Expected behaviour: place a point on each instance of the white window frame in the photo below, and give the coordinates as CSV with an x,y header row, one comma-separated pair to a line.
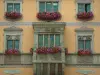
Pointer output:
x,y
48,1
91,7
49,38
85,34
11,1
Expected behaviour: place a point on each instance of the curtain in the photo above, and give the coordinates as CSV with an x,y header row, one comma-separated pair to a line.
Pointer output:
x,y
57,40
40,40
81,44
9,7
51,40
41,6
88,44
17,7
16,44
55,6
9,44
81,7
88,7
46,40
48,6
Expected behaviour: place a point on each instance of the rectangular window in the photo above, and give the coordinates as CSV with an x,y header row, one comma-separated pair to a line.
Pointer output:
x,y
84,42
48,6
48,40
84,7
13,7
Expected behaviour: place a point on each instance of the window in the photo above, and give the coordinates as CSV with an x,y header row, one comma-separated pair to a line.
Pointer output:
x,y
12,42
48,6
84,42
48,40
13,7
84,7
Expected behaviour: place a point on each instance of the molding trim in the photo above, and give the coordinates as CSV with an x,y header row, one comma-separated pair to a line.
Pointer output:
x,y
50,23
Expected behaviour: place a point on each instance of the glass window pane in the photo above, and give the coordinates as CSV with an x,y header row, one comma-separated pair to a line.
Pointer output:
x,y
16,44
87,7
51,40
46,40
9,7
40,40
88,44
9,44
57,40
55,6
49,6
17,7
81,7
81,44
42,6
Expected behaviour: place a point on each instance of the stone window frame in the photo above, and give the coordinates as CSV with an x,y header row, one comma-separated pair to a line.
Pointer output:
x,y
13,1
85,33
59,3
19,33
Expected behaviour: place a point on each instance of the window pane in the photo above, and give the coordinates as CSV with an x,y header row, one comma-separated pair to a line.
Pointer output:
x,y
81,44
55,6
88,44
57,40
17,7
81,7
40,40
42,6
49,6
51,40
46,40
87,7
16,44
9,7
9,44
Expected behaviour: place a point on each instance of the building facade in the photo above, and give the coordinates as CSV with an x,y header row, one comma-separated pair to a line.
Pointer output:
x,y
53,37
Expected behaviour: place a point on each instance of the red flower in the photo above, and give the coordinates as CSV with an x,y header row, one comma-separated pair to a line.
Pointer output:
x,y
48,16
12,51
84,52
13,15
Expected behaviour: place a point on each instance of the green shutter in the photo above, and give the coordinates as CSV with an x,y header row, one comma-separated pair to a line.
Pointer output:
x,y
57,40
81,7
51,40
16,44
46,40
41,6
40,40
81,44
9,7
55,6
17,7
88,7
48,6
88,44
9,44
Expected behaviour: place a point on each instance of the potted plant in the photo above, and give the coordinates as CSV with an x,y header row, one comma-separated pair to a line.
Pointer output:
x,y
84,52
12,51
85,15
48,16
13,15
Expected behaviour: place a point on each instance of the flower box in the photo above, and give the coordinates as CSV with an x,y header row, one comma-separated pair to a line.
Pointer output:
x,y
85,15
13,15
48,50
12,51
84,52
48,16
